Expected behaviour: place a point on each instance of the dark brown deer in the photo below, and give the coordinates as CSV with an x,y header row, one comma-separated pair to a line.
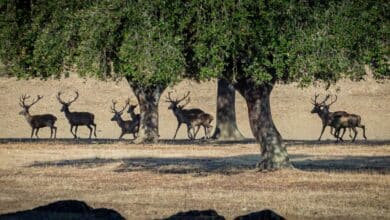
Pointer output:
x,y
322,109
350,121
37,121
191,117
77,118
128,126
136,118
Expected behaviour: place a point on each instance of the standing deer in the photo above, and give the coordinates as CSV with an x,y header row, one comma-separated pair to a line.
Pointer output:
x,y
135,117
37,121
322,109
191,117
128,127
348,121
77,118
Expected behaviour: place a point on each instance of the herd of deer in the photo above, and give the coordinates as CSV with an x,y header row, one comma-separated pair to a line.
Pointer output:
x,y
194,118
337,120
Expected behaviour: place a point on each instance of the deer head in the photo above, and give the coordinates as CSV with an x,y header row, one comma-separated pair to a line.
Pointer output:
x,y
65,105
118,114
175,102
26,107
322,106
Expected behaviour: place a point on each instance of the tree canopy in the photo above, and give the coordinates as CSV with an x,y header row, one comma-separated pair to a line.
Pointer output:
x,y
301,41
156,41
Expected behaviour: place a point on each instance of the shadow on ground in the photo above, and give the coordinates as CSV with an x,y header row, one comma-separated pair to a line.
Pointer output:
x,y
226,165
199,142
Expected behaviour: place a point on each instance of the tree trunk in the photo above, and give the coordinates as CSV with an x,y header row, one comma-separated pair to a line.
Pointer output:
x,y
148,99
226,128
273,151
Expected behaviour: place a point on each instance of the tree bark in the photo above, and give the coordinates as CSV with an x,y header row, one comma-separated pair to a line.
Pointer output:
x,y
273,151
148,99
226,128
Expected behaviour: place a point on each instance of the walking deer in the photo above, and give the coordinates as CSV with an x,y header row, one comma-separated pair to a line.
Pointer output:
x,y
135,117
77,118
350,121
129,126
191,117
322,109
37,121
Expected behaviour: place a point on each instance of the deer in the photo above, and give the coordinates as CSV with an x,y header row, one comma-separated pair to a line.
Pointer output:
x,y
76,119
37,121
350,121
322,109
135,117
191,117
129,126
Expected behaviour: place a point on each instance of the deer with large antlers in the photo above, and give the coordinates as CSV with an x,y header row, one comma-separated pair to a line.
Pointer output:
x,y
191,117
327,117
37,121
129,126
77,118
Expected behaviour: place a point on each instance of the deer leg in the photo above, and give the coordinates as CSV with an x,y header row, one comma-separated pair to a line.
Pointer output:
x,y
336,134
350,135
364,131
75,131
196,132
354,137
178,126
189,132
55,132
36,133
90,131
32,132
94,132
342,135
71,131
323,129
51,132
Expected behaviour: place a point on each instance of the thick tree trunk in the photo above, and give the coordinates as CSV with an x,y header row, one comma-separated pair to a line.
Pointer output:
x,y
226,128
273,151
148,99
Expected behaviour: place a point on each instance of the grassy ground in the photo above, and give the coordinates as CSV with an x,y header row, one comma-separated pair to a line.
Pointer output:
x,y
153,181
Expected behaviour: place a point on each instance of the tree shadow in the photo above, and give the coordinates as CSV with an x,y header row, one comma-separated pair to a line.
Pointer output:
x,y
198,142
199,166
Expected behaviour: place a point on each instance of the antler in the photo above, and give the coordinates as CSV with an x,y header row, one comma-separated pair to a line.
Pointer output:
x,y
59,98
169,99
314,101
113,106
184,97
69,102
75,98
186,103
326,99
121,111
23,99
333,101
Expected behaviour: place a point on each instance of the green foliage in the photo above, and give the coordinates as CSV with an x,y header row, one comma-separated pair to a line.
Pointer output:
x,y
303,41
160,42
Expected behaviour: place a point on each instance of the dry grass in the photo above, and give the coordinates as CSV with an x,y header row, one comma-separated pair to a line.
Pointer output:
x,y
152,181
146,182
